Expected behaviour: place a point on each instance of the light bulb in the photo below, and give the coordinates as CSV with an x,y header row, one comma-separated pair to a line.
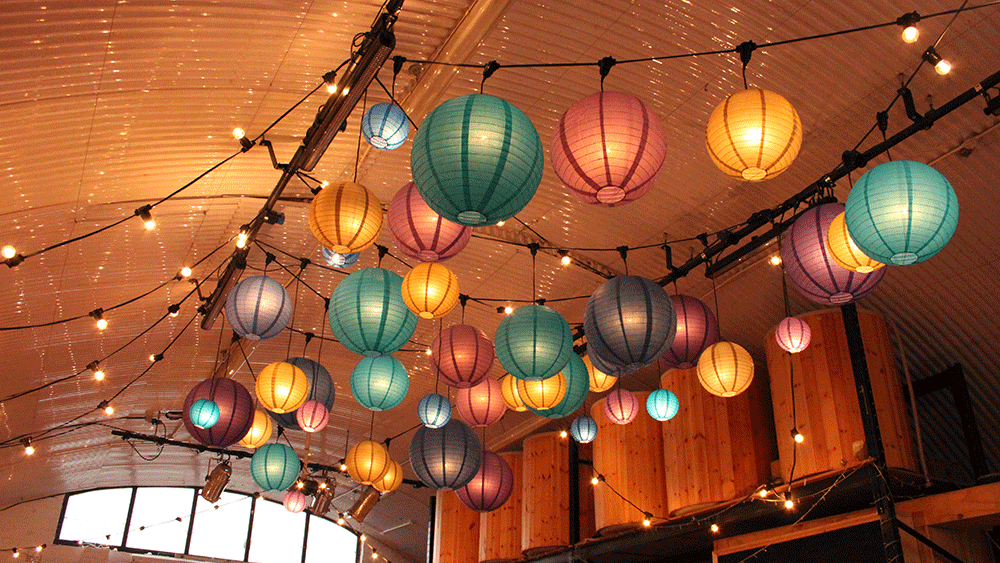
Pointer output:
x,y
185,272
99,375
152,357
109,410
341,521
40,548
343,467
9,251
363,538
594,481
16,554
942,67
715,528
648,520
241,242
563,434
324,184
910,34
789,504
500,223
428,352
776,260
150,224
174,311
566,260
239,133
508,310
799,438
102,324
28,448
763,493
374,554
322,486
299,484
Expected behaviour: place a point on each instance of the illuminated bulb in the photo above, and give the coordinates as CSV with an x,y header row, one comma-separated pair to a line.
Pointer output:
x,y
594,481
99,375
799,438
185,272
563,434
109,410
28,448
343,467
102,324
374,554
174,310
241,239
149,224
789,504
763,493
324,184
40,548
346,90
16,554
428,352
508,310
322,486
341,521
942,67
910,34
152,357
566,260
500,223
715,528
9,251
776,260
647,520
363,538
299,484
239,133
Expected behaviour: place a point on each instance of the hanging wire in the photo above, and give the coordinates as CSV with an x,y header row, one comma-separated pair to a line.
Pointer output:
x,y
361,122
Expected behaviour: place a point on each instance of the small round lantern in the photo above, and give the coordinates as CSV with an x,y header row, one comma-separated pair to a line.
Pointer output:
x,y
542,394
260,430
430,290
338,260
367,462
312,416
434,410
843,250
368,315
902,212
274,467
583,429
599,381
236,412
608,148
725,369
533,342
577,387
491,486
508,389
204,413
258,308
462,356
447,457
282,387
420,232
392,479
295,501
754,135
662,405
385,126
482,404
621,406
320,389
476,160
696,330
379,384
345,217
793,335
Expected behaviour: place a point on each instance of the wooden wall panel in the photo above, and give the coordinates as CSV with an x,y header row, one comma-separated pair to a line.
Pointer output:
x,y
545,490
457,530
500,530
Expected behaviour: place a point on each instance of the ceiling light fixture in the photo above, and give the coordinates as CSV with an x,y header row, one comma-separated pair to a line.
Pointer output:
x,y
98,372
98,316
941,66
145,213
185,272
28,448
216,482
909,24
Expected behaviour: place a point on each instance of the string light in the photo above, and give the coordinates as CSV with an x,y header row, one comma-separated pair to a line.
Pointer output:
x,y
155,357
98,372
715,528
776,260
174,310
343,466
99,320
797,436
647,519
340,520
500,223
185,272
910,34
941,66
508,310
8,252
16,554
763,493
28,448
594,481
909,24
241,239
40,548
374,553
565,258
239,133
363,538
106,407
145,213
563,433
788,502
428,351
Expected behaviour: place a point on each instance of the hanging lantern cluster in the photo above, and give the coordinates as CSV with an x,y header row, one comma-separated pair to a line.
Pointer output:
x,y
447,457
508,390
282,387
577,386
843,250
462,356
367,462
321,389
368,315
697,329
259,432
379,383
754,134
490,487
345,217
385,126
338,260
725,369
434,410
236,412
621,406
583,429
274,467
793,335
430,290
419,232
599,381
258,308
662,405
533,342
481,404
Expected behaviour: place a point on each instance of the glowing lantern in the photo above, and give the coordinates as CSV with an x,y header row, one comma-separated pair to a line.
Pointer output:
x,y
725,369
345,217
236,412
320,389
583,429
508,389
696,330
282,387
662,405
430,290
312,416
621,406
491,486
599,381
385,126
577,386
258,308
462,356
447,457
338,260
793,335
542,394
392,479
295,501
204,413
420,232
843,250
260,430
367,462
434,410
368,315
482,404
533,342
274,467
754,135
379,384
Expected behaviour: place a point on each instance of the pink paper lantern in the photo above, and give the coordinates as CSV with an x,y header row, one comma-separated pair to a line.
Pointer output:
x,y
793,335
481,405
609,148
295,501
421,233
491,487
697,329
462,356
621,406
312,416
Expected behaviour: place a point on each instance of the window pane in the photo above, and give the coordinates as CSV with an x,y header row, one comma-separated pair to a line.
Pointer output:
x,y
154,525
221,532
96,517
277,534
329,543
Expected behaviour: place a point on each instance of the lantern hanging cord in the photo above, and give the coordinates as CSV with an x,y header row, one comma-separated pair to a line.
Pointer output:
x,y
623,252
534,253
247,360
745,51
488,70
437,370
604,65
291,318
361,122
393,98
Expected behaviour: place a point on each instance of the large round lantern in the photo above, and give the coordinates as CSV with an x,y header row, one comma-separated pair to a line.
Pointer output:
x,y
902,212
662,405
338,260
295,501
482,404
542,394
380,383
420,232
367,462
236,412
725,369
392,479
430,290
282,387
320,389
260,430
345,217
583,429
812,270
508,390
629,323
476,160
696,330
754,135
258,308
599,381
368,315
312,416
274,467
434,410
491,486
608,148
385,126
577,387
793,335
462,356
204,413
447,457
533,342
621,406
843,250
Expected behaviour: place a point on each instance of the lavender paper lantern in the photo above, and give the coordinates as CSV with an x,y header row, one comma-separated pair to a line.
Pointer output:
x,y
490,488
793,335
385,126
697,329
258,308
420,232
482,404
462,356
320,389
583,429
434,410
621,406
236,412
630,323
447,457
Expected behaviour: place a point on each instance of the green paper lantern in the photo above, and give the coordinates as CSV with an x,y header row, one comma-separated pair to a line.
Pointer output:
x,y
577,387
368,315
274,467
662,405
379,384
204,413
476,160
534,342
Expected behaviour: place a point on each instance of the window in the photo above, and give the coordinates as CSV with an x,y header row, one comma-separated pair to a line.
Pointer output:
x,y
220,529
160,519
95,517
277,534
326,538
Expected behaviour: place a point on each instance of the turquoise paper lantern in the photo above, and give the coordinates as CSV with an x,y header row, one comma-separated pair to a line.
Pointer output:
x,y
577,387
434,410
901,212
204,413
368,315
476,160
385,126
379,383
534,342
274,467
662,405
583,429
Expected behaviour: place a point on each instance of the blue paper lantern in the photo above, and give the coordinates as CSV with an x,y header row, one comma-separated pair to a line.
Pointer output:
x,y
321,389
204,413
274,467
662,405
258,308
476,160
447,457
338,260
534,342
385,126
380,383
434,410
630,323
902,212
583,429
577,387
368,314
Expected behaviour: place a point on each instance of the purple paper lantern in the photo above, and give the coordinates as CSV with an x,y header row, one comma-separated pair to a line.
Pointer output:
x,y
462,356
811,268
621,406
482,404
420,232
793,335
697,329
491,486
235,412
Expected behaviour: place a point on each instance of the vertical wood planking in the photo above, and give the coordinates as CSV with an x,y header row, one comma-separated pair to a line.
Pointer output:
x,y
500,530
545,493
458,530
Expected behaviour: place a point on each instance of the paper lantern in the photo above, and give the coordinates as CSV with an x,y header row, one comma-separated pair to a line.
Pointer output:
x,y
282,387
345,217
338,260
385,126
491,486
462,356
662,405
508,390
258,308
793,335
204,413
447,457
434,410
476,160
367,462
482,404
533,342
577,386
430,290
630,323
599,381
368,315
260,430
812,270
621,406
392,479
754,135
843,250
320,389
295,501
583,429
420,232
380,383
902,212
312,416
542,394
608,148
725,369
696,330
236,412
274,467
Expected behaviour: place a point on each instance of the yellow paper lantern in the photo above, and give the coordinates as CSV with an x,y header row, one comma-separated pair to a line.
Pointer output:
x,y
754,134
542,394
430,290
725,369
282,387
599,381
392,479
843,250
345,217
260,431
508,390
368,462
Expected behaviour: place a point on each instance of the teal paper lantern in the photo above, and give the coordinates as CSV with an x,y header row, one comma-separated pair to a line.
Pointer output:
x,y
204,413
368,315
380,383
434,410
662,405
901,212
534,342
577,387
385,126
583,429
274,467
476,160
